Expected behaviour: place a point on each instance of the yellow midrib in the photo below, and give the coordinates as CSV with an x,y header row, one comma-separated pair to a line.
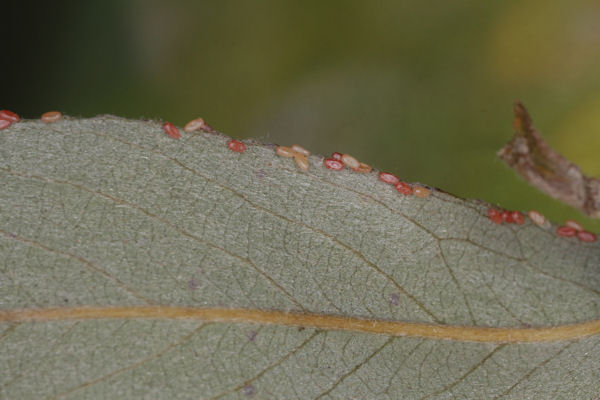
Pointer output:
x,y
319,321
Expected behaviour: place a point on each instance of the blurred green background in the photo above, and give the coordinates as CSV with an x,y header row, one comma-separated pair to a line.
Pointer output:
x,y
423,89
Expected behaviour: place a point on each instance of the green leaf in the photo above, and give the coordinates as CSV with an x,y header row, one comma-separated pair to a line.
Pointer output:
x,y
139,266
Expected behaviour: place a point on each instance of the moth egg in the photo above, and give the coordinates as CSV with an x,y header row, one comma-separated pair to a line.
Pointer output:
x,y
284,151
566,231
517,217
299,149
585,236
574,224
362,168
335,165
236,145
4,124
507,216
403,188
9,116
301,161
171,130
350,161
421,191
388,178
194,125
336,156
495,215
51,116
537,217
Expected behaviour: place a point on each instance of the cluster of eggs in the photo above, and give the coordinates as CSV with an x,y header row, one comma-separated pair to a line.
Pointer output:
x,y
569,229
7,118
338,162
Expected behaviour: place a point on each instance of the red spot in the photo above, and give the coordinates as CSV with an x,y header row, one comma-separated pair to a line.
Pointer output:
x,y
517,217
336,156
9,116
495,215
585,236
333,164
388,178
236,145
171,130
4,124
566,231
507,217
403,188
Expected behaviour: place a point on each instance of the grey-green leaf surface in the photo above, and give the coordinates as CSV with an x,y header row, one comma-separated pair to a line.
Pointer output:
x,y
107,213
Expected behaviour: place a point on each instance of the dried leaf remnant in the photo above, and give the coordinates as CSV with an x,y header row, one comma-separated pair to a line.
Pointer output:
x,y
543,167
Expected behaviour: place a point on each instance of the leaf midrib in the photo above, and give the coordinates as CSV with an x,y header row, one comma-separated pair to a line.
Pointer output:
x,y
313,320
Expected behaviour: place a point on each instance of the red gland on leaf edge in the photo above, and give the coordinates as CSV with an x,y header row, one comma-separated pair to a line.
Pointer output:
x,y
566,231
333,164
4,124
9,116
403,188
171,130
585,236
495,215
236,145
388,178
336,156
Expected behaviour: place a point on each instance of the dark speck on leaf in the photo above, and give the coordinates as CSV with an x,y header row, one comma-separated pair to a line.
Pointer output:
x,y
192,284
248,390
260,173
394,299
252,336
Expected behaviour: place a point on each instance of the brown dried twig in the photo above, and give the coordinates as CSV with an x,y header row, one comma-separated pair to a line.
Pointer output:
x,y
530,155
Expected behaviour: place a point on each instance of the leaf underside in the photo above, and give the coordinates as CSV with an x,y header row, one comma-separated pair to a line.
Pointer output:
x,y
112,213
